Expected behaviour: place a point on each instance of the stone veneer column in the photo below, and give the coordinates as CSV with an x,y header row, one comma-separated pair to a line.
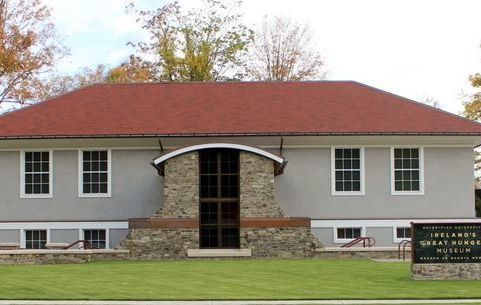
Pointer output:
x,y
257,187
181,201
181,187
257,200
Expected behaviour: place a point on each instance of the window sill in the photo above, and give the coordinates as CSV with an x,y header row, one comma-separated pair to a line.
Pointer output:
x,y
398,193
108,195
344,240
36,196
348,193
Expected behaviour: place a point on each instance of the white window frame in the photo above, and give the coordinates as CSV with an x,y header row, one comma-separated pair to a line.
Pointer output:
x,y
394,234
81,235
23,195
333,172
23,237
421,173
81,194
346,240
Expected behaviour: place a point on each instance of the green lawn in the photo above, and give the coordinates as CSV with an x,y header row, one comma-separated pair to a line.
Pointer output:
x,y
226,279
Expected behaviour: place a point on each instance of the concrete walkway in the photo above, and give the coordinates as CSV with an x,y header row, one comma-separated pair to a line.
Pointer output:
x,y
280,302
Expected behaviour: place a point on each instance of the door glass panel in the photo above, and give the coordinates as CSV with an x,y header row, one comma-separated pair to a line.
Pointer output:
x,y
230,213
219,198
208,213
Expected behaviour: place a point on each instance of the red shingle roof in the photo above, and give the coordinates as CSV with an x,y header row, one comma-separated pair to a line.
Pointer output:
x,y
232,108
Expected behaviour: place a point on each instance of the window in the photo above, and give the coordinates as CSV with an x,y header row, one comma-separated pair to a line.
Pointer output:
x,y
35,239
36,173
346,234
97,238
403,233
94,170
407,171
347,171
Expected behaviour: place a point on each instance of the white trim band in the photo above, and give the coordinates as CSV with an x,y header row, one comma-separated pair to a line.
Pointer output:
x,y
184,150
380,223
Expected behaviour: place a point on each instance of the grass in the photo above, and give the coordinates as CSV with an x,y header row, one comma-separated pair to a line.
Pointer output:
x,y
226,279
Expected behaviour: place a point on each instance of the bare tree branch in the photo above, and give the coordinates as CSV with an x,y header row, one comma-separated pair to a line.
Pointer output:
x,y
283,52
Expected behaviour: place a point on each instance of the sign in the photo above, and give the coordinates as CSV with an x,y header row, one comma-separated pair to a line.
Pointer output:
x,y
438,243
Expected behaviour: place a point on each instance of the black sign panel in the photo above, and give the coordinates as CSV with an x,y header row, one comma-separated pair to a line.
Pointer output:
x,y
437,243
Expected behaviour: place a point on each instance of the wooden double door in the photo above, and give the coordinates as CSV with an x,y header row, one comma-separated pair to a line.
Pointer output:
x,y
219,212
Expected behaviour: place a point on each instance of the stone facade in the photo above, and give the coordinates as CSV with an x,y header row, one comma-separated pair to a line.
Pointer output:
x,y
34,257
257,187
181,201
161,243
279,242
446,271
358,253
181,187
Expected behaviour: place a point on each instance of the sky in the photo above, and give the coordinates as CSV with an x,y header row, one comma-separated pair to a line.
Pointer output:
x,y
417,49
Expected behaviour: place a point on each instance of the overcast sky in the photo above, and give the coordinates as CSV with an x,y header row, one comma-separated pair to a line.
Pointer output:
x,y
417,49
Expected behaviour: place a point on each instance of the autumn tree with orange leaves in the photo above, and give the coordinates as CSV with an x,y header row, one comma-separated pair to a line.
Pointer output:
x,y
29,48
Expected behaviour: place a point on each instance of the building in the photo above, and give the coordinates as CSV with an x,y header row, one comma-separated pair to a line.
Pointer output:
x,y
269,169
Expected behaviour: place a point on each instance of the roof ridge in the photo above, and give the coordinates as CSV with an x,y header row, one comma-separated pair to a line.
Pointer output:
x,y
420,104
222,82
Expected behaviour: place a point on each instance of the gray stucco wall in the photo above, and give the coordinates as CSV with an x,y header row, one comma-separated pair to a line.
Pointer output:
x,y
9,236
64,236
382,235
305,187
303,190
116,235
325,235
136,189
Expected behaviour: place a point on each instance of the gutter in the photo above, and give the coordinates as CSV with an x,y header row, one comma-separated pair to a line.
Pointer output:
x,y
260,134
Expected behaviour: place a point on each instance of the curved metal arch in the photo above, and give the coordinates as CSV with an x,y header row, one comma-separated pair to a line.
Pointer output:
x,y
251,149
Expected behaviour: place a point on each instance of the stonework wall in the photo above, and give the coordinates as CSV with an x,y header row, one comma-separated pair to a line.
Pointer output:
x,y
22,257
358,254
257,187
161,243
279,242
446,271
181,187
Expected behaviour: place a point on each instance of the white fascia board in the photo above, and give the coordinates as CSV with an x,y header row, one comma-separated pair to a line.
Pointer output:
x,y
64,225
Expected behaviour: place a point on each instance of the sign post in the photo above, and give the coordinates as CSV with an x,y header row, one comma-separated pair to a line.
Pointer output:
x,y
446,251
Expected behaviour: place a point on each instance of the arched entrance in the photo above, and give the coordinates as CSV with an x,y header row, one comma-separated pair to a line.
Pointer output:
x,y
219,190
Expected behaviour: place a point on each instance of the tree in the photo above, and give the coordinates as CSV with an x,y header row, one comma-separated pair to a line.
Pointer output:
x,y
130,71
431,101
205,44
29,48
472,107
283,52
472,110
61,83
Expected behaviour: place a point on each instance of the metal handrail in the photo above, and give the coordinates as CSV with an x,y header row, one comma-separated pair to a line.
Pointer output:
x,y
85,245
366,242
403,244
